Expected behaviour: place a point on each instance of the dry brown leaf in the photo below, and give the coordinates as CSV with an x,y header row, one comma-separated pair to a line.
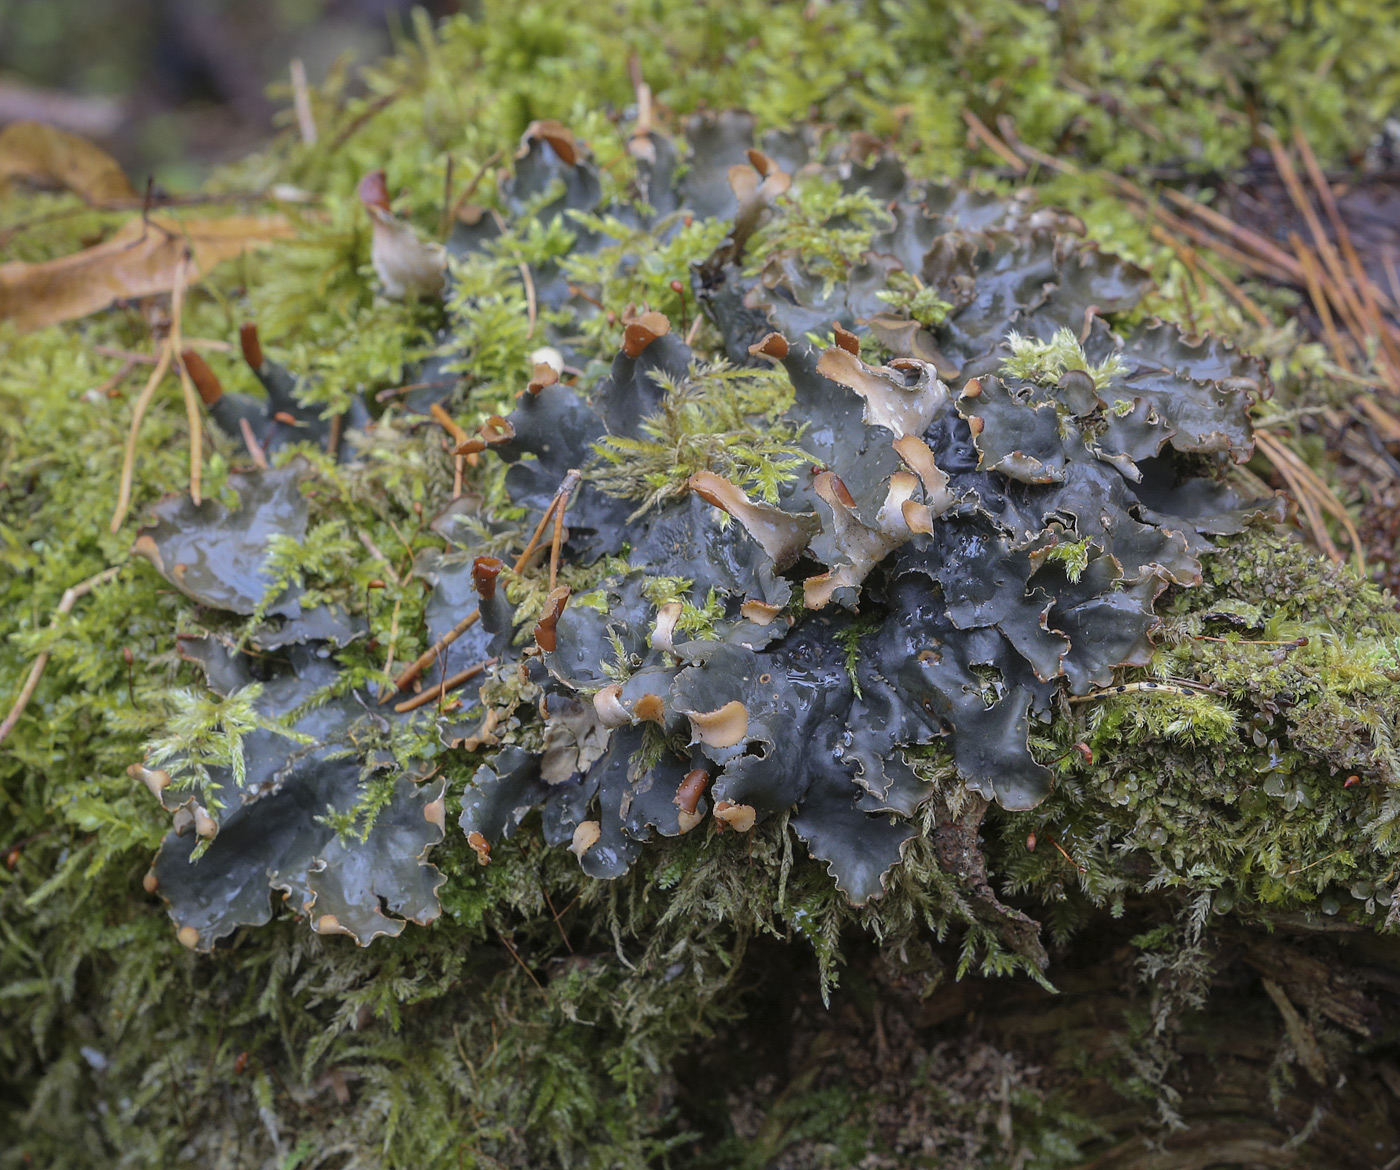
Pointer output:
x,y
52,157
139,261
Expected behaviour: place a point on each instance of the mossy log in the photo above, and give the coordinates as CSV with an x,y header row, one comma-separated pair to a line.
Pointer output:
x,y
723,640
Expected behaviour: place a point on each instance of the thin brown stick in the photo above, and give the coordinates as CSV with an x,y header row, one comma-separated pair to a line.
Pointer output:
x,y
1049,161
1311,516
126,355
470,189
360,120
429,656
1066,856
556,541
138,412
1392,272
445,420
147,359
444,219
145,204
559,925
441,689
1378,415
1324,493
191,395
1319,861
378,554
36,672
109,387
556,505
993,143
515,955
408,388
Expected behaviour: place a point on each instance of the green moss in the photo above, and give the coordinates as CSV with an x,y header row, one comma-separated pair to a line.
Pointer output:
x,y
1046,361
719,419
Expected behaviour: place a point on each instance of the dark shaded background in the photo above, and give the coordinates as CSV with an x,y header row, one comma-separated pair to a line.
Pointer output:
x,y
172,86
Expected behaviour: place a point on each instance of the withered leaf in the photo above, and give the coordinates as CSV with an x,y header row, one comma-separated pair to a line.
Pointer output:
x,y
50,157
140,260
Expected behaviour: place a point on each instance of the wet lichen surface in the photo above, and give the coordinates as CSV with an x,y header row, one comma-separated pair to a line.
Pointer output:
x,y
964,533
916,642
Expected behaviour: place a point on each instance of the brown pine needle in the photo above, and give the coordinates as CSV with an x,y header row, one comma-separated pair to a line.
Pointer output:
x,y
36,672
1237,294
447,684
1267,251
1066,856
1241,259
1312,491
1039,157
1319,861
1383,419
1333,278
1313,280
1359,278
1311,516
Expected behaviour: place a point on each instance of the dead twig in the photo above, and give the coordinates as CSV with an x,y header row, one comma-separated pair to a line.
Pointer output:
x,y
429,656
138,412
516,956
191,395
984,135
447,684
